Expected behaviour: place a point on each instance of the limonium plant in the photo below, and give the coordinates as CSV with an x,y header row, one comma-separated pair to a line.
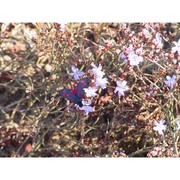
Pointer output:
x,y
133,78
90,89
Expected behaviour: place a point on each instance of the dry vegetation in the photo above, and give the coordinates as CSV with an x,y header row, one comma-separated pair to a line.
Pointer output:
x,y
35,61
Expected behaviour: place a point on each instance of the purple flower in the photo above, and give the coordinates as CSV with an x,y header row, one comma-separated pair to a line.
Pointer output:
x,y
86,107
121,88
68,107
160,126
76,73
170,81
176,47
122,56
90,91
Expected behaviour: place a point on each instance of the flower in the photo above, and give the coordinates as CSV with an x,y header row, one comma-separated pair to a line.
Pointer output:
x,y
121,87
101,82
122,56
96,71
176,47
134,59
98,76
86,107
90,91
158,40
76,73
170,81
178,124
68,107
160,126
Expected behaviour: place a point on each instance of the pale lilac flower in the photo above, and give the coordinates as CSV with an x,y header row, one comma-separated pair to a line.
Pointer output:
x,y
121,87
178,124
86,107
90,91
76,73
170,81
176,47
122,56
102,82
160,126
96,71
134,59
158,40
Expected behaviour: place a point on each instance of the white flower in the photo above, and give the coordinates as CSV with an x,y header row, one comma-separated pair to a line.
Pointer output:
x,y
76,73
160,126
134,59
121,87
96,71
90,91
176,47
101,82
86,107
170,81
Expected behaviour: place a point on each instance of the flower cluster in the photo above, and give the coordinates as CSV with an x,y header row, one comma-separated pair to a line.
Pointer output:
x,y
156,151
98,81
161,151
98,76
86,104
